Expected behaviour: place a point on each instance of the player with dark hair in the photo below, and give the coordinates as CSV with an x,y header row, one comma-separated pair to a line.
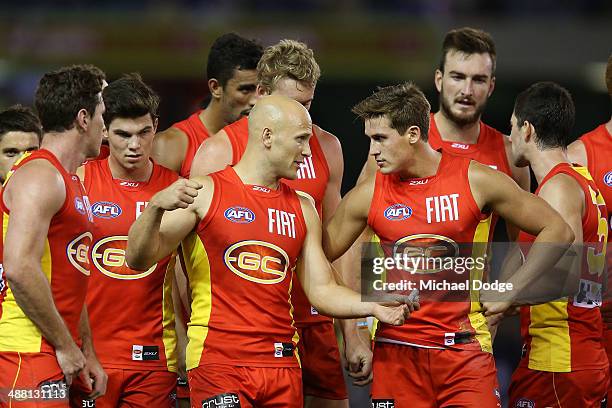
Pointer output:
x,y
232,80
564,362
20,132
45,340
130,312
424,200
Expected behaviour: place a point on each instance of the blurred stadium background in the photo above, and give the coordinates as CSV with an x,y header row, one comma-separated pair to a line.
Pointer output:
x,y
359,44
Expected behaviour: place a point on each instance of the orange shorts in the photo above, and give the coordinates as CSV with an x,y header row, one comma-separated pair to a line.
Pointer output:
x,y
321,368
416,377
130,388
31,380
216,385
532,388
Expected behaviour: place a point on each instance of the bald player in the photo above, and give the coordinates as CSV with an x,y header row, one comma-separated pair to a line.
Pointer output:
x,y
289,68
232,80
594,150
244,231
20,132
45,340
424,200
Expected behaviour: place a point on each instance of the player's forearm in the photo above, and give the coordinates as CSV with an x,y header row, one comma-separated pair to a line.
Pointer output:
x,y
85,334
338,301
33,295
550,246
144,241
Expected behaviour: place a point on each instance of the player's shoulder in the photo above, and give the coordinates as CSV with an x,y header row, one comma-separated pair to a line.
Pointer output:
x,y
577,153
326,138
171,135
38,181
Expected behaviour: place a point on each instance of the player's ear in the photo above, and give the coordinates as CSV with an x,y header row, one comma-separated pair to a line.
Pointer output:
x,y
438,79
527,130
261,91
266,137
492,87
155,122
82,120
414,134
215,88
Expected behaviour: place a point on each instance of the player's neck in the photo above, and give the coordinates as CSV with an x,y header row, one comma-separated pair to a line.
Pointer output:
x,y
423,163
253,171
62,145
212,118
453,132
121,173
544,161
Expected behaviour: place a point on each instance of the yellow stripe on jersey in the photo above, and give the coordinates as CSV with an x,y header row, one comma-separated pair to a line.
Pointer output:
x,y
550,338
17,332
198,271
477,319
296,336
168,322
584,172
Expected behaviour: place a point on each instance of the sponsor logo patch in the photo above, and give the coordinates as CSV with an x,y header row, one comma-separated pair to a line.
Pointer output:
x,y
398,212
257,261
608,179
87,403
144,353
225,400
283,350
106,209
524,403
240,215
460,146
79,205
383,403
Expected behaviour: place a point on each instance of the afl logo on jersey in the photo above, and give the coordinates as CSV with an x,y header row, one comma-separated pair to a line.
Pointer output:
x,y
240,215
78,252
398,212
108,255
608,179
257,261
106,209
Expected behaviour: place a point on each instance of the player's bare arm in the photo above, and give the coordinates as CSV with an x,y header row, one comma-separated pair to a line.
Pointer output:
x,y
170,215
93,374
213,155
576,153
34,195
169,148
323,291
497,192
349,220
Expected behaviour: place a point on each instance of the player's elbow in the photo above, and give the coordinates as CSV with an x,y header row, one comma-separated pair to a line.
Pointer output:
x,y
135,259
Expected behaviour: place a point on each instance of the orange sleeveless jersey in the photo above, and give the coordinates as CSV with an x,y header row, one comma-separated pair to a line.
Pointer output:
x,y
196,134
65,264
312,179
565,335
240,264
418,217
489,149
130,312
598,146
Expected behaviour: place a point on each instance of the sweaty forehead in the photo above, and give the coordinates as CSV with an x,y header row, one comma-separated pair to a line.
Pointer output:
x,y
18,140
469,64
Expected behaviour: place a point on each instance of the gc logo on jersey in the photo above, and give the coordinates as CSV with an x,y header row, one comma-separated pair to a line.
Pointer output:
x,y
257,261
106,209
398,212
240,215
77,252
423,249
108,255
608,179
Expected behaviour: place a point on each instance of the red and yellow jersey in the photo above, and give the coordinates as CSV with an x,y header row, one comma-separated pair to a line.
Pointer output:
x,y
565,335
598,146
196,134
240,263
130,312
489,149
65,264
312,179
431,220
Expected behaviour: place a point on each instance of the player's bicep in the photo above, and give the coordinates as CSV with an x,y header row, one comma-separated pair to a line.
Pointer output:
x,y
214,154
565,196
